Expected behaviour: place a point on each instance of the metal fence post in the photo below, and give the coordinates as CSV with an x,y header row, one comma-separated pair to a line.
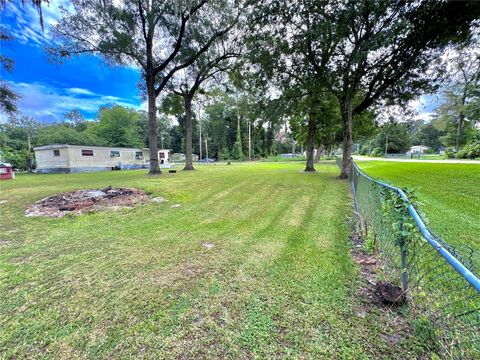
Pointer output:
x,y
403,263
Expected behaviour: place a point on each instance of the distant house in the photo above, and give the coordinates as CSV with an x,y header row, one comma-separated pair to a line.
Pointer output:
x,y
289,155
180,157
418,149
64,158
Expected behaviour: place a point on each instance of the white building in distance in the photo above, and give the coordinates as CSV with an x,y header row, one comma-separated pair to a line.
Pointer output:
x,y
64,158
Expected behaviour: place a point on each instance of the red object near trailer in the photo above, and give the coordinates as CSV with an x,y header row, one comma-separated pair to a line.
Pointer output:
x,y
6,171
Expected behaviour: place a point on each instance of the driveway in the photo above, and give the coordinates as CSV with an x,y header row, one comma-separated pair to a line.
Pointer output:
x,y
447,161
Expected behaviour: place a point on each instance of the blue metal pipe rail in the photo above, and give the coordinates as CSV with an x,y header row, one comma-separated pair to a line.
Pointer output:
x,y
473,280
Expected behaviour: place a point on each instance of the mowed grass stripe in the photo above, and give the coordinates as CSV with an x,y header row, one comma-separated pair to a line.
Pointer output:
x,y
278,282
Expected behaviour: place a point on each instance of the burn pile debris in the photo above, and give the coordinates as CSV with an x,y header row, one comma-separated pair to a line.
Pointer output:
x,y
81,201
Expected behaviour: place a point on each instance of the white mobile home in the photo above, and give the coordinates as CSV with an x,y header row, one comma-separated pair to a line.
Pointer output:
x,y
78,158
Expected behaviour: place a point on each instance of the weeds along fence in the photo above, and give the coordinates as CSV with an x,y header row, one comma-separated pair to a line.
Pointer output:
x,y
441,281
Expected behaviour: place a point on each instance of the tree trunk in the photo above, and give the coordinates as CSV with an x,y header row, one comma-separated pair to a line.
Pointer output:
x,y
461,117
346,108
188,133
152,126
458,135
317,154
312,127
29,160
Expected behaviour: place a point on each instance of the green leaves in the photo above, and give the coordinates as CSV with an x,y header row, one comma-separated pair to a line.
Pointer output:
x,y
118,126
395,211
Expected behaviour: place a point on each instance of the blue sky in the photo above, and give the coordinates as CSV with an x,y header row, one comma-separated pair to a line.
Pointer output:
x,y
50,90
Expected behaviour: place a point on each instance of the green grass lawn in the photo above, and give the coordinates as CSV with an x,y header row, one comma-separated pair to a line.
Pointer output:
x,y
449,195
137,283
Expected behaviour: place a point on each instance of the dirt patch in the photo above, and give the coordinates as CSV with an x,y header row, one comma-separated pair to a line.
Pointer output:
x,y
379,293
379,297
81,201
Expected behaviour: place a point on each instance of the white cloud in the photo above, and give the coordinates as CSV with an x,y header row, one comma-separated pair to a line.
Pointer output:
x,y
23,21
424,116
48,103
80,91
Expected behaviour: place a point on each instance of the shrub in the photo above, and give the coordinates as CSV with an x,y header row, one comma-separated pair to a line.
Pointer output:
x,y
469,152
364,150
224,155
450,153
18,158
377,152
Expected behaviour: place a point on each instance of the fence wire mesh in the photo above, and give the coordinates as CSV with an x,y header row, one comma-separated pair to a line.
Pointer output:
x,y
441,281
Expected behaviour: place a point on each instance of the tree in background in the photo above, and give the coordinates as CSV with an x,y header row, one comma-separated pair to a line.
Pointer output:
x,y
392,138
460,108
383,49
220,125
66,133
237,151
164,139
18,139
76,118
118,126
428,135
149,34
8,97
313,119
173,106
207,68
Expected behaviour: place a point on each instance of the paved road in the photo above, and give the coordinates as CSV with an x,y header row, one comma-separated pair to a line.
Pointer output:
x,y
448,161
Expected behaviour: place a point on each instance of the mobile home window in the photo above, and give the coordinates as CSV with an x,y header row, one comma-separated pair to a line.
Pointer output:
x,y
56,152
114,153
139,155
87,152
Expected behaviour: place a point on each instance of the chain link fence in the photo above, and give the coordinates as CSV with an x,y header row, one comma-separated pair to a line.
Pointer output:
x,y
440,281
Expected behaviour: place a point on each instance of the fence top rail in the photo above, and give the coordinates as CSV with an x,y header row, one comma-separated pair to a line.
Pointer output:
x,y
451,259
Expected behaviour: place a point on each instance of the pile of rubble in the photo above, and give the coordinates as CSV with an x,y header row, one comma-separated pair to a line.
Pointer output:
x,y
80,201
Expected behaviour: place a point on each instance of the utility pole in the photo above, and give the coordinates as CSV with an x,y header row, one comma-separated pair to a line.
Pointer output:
x,y
249,141
386,145
200,132
206,149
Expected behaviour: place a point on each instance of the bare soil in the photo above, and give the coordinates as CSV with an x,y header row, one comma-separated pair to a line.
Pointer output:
x,y
379,293
81,201
380,297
